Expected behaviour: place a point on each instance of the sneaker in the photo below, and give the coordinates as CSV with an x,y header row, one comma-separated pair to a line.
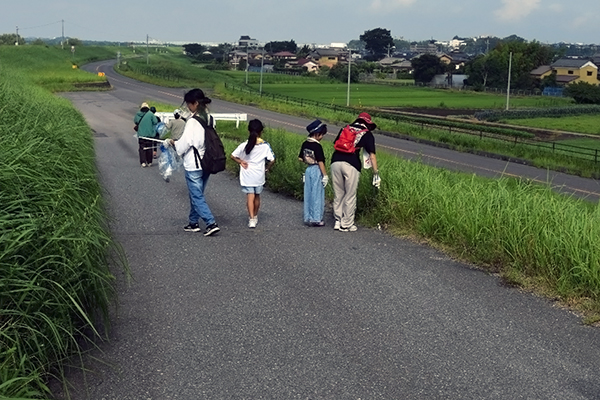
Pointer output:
x,y
320,223
211,229
149,164
144,165
252,222
192,228
351,228
337,226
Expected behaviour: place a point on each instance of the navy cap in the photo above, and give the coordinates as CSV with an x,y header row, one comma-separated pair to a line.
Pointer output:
x,y
316,127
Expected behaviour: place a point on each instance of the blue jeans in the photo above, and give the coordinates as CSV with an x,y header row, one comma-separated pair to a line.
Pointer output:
x,y
196,182
314,195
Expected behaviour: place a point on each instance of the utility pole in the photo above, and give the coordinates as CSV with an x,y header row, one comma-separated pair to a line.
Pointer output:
x,y
62,42
349,68
17,41
262,64
147,56
508,89
247,62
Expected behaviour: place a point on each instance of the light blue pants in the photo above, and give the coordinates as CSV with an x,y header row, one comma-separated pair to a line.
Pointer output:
x,y
314,195
196,182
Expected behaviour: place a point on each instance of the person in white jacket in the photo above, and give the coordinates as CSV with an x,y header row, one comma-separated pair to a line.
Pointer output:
x,y
193,137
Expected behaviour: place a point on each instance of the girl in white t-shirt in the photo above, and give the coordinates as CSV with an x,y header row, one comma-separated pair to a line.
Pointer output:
x,y
252,155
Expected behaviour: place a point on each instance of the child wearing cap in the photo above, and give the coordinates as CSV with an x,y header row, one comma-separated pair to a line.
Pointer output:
x,y
315,176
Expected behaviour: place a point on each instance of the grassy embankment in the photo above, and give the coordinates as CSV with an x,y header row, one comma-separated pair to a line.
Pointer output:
x,y
587,123
527,233
55,247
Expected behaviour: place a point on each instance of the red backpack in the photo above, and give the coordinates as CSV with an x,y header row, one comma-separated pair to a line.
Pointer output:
x,y
349,138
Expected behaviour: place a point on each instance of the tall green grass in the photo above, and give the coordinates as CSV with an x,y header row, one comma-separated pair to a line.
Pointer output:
x,y
524,231
55,247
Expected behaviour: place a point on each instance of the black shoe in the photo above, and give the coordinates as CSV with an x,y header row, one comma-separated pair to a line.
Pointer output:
x,y
192,228
211,229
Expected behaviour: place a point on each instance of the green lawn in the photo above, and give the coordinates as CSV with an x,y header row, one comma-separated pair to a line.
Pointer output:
x,y
588,123
370,95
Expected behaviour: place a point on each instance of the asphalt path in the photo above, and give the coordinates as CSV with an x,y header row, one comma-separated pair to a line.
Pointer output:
x,y
285,311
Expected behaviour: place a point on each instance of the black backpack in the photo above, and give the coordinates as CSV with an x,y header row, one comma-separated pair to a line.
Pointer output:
x,y
214,158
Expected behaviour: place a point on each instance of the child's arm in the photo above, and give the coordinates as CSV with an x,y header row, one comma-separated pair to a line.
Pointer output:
x,y
243,163
322,167
269,165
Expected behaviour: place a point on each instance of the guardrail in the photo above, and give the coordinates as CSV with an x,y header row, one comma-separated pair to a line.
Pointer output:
x,y
237,117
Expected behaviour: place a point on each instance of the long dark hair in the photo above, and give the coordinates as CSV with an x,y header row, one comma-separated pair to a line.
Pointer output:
x,y
198,95
255,128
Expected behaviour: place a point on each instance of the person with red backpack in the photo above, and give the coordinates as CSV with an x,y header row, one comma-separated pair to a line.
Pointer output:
x,y
346,166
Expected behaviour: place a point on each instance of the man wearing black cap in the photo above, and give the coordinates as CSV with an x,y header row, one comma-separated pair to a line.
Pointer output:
x,y
346,166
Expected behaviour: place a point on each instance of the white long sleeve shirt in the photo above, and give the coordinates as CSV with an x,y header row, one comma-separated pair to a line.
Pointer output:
x,y
193,136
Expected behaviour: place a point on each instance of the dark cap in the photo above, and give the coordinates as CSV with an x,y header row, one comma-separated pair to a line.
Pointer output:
x,y
316,127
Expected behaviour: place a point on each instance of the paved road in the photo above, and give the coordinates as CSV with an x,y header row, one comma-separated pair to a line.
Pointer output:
x,y
286,311
437,156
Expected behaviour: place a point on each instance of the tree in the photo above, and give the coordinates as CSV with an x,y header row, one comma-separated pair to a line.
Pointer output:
x,y
377,41
74,42
426,67
38,42
583,93
11,39
276,47
491,70
339,72
303,52
194,50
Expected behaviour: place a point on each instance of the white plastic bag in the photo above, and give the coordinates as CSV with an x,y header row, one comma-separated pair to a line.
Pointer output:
x,y
168,161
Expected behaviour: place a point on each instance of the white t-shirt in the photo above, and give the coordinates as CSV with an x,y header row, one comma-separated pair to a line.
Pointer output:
x,y
193,135
254,175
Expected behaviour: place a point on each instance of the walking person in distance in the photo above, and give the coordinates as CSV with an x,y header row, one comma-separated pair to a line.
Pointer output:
x,y
145,124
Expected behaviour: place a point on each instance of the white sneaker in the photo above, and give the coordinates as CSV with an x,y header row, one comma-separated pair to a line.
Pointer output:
x,y
252,222
337,226
144,165
351,228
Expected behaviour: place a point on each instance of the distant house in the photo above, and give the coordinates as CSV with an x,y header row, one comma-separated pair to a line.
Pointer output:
x,y
308,65
284,55
247,42
326,57
568,71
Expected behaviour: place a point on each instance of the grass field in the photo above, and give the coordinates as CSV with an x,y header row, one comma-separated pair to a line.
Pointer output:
x,y
370,95
586,123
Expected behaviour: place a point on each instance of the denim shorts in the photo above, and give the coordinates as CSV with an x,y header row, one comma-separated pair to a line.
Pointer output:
x,y
252,189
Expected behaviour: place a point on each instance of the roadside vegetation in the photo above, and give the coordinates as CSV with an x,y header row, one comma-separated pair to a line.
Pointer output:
x,y
55,247
527,233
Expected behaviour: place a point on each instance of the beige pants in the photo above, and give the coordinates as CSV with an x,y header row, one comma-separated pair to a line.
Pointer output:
x,y
345,184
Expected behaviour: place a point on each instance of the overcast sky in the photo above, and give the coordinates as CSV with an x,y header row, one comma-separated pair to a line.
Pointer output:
x,y
305,21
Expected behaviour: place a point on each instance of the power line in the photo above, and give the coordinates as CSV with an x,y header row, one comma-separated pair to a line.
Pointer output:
x,y
41,26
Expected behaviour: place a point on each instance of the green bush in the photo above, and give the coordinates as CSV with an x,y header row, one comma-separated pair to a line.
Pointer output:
x,y
583,93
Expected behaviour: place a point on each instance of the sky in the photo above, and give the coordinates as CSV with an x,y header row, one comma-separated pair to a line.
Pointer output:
x,y
304,21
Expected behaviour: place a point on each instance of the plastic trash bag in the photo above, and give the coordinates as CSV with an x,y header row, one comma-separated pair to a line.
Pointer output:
x,y
161,129
168,161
